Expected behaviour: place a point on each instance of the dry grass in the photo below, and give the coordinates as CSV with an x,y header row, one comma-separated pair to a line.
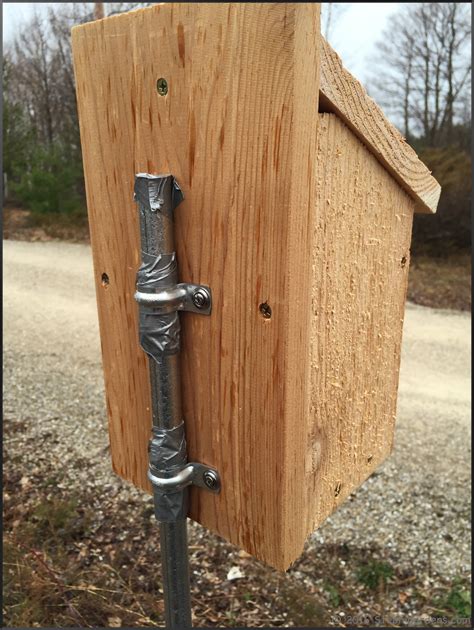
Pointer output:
x,y
64,568
443,282
22,225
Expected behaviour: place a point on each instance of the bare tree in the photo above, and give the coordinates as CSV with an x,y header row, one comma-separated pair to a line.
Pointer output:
x,y
98,10
32,78
42,150
41,69
457,74
42,78
394,87
425,68
122,7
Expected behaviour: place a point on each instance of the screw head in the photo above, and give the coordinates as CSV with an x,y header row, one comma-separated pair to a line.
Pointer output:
x,y
210,479
162,86
201,298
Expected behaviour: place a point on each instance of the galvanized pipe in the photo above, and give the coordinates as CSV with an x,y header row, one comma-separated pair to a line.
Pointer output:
x,y
157,196
175,571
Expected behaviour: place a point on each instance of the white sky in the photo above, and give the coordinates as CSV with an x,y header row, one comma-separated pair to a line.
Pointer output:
x,y
353,34
15,13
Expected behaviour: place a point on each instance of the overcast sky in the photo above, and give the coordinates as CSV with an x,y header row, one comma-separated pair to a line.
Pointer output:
x,y
353,33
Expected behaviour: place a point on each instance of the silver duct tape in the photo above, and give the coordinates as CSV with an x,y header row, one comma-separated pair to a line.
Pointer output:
x,y
151,192
167,452
157,272
159,332
170,508
168,448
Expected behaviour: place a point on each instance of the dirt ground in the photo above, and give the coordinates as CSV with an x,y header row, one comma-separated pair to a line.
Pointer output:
x,y
22,225
443,282
81,547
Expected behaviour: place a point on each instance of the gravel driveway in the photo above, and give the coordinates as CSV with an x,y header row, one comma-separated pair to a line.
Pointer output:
x,y
416,507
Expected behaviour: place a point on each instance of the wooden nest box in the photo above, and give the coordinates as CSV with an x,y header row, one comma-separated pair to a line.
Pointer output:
x,y
298,217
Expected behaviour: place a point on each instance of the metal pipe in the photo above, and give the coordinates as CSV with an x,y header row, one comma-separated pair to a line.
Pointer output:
x,y
157,196
175,570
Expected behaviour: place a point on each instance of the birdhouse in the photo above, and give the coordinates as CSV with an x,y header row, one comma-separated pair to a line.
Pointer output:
x,y
299,197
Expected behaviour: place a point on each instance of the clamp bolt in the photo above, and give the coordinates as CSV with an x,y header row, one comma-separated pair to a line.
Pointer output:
x,y
201,298
210,479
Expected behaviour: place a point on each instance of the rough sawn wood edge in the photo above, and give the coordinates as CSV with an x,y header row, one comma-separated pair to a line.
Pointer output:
x,y
342,94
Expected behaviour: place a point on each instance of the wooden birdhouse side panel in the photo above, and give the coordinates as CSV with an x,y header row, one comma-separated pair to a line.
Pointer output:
x,y
362,235
302,232
238,129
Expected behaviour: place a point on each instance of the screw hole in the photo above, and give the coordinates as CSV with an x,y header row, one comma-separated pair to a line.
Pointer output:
x,y
403,261
162,86
265,310
337,489
105,280
370,458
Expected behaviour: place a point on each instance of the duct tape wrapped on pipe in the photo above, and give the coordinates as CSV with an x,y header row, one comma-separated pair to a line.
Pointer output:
x,y
159,332
157,196
168,456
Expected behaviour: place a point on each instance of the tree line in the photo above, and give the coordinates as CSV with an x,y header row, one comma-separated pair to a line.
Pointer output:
x,y
425,83
42,164
421,75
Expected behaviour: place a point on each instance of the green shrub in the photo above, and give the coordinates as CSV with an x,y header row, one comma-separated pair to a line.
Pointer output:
x,y
450,227
459,599
374,574
333,594
51,184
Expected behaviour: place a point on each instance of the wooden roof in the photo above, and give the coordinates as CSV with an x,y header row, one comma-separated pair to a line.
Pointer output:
x,y
342,94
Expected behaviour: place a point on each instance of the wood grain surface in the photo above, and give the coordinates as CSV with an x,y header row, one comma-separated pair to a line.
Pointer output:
x,y
342,94
362,234
238,129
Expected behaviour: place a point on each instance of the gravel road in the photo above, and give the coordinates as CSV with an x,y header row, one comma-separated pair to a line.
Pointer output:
x,y
417,505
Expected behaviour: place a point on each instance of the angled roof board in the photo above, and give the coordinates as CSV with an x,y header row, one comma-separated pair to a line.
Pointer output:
x,y
344,95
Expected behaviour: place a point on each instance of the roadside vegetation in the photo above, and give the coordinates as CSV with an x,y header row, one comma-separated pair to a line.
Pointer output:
x,y
65,566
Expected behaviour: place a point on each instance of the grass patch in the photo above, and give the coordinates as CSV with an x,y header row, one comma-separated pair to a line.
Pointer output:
x,y
85,558
60,520
61,569
457,600
333,594
375,575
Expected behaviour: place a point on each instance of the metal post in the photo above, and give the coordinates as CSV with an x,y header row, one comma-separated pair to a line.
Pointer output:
x,y
175,570
157,196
